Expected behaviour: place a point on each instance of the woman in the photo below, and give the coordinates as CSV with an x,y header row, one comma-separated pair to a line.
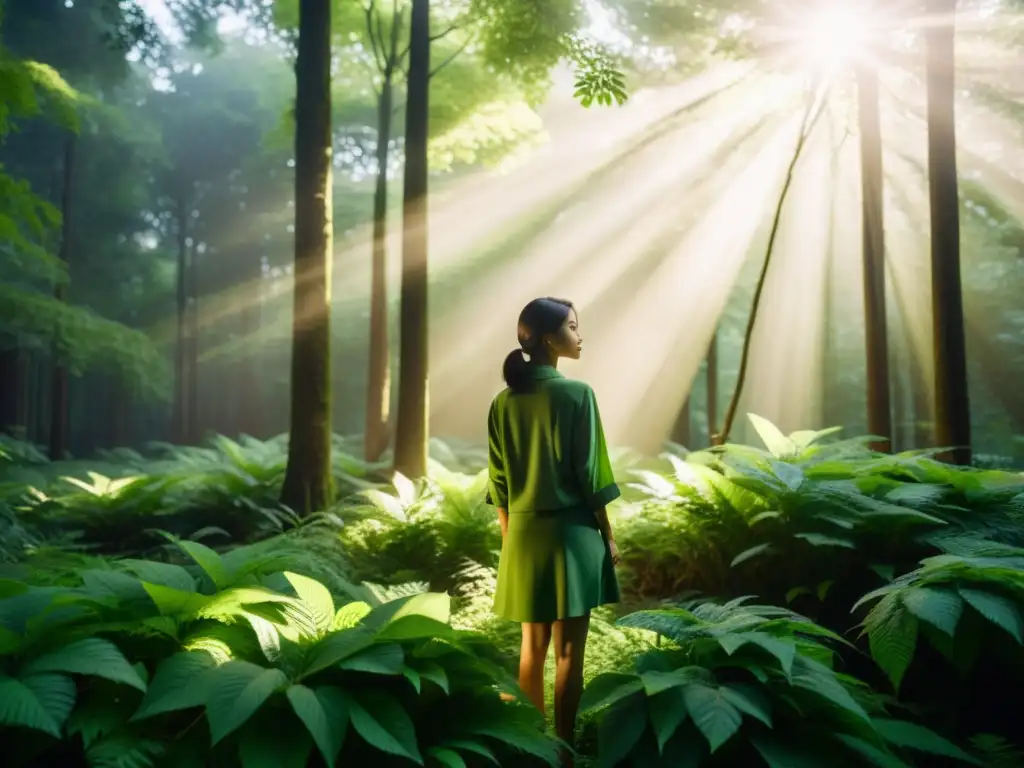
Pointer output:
x,y
550,478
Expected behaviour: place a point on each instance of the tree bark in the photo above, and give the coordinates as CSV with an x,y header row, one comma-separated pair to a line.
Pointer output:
x,y
307,484
876,339
712,388
378,396
59,385
181,427
411,428
952,405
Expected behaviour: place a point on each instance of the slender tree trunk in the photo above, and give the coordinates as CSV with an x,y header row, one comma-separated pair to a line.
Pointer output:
x,y
952,406
712,388
307,484
192,398
876,339
59,385
181,426
378,394
412,432
10,386
681,429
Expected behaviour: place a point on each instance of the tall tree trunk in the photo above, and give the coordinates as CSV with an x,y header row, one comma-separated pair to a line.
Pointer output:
x,y
378,394
192,366
952,406
712,388
12,404
681,429
307,483
180,426
59,385
411,430
876,338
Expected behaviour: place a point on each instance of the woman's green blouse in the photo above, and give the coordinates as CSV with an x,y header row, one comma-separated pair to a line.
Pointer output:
x,y
547,449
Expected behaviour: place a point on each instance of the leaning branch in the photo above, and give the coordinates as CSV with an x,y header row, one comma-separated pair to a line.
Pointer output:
x,y
807,125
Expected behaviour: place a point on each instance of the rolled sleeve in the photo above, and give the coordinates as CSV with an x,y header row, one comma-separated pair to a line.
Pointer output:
x,y
590,455
497,481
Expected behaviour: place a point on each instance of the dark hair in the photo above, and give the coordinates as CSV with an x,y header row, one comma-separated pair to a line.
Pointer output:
x,y
539,317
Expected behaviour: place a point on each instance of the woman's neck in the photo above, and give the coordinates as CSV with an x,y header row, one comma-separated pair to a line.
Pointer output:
x,y
543,357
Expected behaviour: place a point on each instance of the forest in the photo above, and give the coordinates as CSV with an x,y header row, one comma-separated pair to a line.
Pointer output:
x,y
260,262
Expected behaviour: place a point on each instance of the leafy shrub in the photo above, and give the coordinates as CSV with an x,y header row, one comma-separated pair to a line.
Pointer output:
x,y
739,684
149,663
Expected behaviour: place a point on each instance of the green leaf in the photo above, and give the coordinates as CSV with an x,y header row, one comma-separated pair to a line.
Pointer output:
x,y
821,540
40,702
815,677
205,558
620,729
91,656
714,715
783,650
941,608
912,736
608,688
997,609
236,690
747,554
325,713
388,659
473,747
413,677
777,443
124,749
385,725
446,757
892,637
415,628
350,614
429,670
267,742
178,684
337,647
748,699
778,754
316,597
668,711
883,759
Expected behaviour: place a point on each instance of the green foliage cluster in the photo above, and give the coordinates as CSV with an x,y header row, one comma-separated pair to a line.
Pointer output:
x,y
920,558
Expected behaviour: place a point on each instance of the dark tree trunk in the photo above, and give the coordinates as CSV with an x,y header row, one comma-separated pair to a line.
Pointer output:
x,y
378,397
876,339
712,388
952,406
194,431
411,429
59,385
180,425
307,484
681,429
12,405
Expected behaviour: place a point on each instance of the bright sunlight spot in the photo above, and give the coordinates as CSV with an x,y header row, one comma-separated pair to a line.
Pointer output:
x,y
836,34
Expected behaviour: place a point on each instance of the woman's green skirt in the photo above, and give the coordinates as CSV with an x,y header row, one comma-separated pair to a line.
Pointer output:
x,y
554,565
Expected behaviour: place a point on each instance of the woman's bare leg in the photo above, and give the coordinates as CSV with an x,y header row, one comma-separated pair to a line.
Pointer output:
x,y
532,654
570,645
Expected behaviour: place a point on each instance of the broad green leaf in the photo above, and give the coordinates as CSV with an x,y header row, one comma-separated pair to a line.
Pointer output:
x,y
520,736
387,659
235,691
773,439
881,758
91,656
713,714
472,747
316,597
608,688
941,608
124,749
892,637
205,558
174,602
667,712
336,647
779,754
748,554
790,474
413,677
997,609
446,757
783,650
748,699
815,677
385,725
162,574
350,614
178,684
40,702
656,681
620,729
821,540
414,628
325,713
429,670
912,736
